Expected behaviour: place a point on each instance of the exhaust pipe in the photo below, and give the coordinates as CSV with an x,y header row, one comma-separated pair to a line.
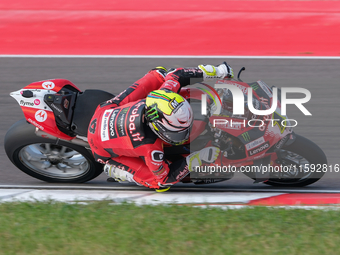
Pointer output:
x,y
76,140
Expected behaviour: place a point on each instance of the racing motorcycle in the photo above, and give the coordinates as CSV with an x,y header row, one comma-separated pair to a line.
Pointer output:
x,y
51,144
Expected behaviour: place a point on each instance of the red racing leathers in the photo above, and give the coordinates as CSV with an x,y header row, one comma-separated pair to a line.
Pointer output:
x,y
118,134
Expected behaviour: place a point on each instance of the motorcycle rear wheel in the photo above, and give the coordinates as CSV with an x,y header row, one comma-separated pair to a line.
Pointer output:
x,y
49,160
305,155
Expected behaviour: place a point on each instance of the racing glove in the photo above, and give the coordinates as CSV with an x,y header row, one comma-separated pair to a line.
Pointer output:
x,y
206,155
219,72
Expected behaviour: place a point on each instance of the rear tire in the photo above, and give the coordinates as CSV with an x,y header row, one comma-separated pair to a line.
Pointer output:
x,y
49,160
309,153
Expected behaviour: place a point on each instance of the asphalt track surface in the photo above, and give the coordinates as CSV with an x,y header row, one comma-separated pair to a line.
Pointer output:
x,y
321,77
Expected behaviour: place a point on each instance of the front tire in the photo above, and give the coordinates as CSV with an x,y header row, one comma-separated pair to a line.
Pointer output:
x,y
49,160
303,153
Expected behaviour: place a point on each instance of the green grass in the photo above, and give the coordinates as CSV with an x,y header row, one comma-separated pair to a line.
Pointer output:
x,y
100,228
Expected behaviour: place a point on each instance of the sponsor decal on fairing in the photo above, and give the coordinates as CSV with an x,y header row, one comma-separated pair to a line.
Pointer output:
x,y
255,143
23,103
41,115
258,149
35,124
48,85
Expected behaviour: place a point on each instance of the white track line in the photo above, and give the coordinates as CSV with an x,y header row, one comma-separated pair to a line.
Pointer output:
x,y
175,189
169,56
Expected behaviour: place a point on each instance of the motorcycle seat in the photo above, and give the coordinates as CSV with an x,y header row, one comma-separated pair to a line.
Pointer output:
x,y
85,107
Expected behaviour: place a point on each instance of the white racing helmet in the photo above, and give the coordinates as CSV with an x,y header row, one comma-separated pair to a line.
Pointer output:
x,y
169,116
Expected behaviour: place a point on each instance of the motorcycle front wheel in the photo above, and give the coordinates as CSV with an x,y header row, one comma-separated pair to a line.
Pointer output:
x,y
49,160
306,162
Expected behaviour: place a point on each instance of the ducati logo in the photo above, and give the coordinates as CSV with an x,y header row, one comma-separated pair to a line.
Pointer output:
x,y
48,85
41,115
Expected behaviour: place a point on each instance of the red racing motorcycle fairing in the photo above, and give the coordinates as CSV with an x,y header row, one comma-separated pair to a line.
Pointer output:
x,y
259,136
37,112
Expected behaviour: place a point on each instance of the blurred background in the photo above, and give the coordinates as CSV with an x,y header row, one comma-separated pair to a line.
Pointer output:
x,y
177,27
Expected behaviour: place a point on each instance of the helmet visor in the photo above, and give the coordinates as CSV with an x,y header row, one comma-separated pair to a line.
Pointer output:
x,y
172,137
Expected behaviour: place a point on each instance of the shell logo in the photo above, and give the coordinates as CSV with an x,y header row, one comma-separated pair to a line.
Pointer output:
x,y
48,85
41,115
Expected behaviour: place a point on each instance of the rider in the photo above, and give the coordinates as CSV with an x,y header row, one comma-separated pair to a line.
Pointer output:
x,y
127,133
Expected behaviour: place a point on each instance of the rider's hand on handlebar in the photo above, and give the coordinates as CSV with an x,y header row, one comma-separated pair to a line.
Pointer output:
x,y
226,69
206,155
213,72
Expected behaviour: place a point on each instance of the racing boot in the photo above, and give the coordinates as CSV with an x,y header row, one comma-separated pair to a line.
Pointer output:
x,y
216,72
117,174
161,70
162,189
